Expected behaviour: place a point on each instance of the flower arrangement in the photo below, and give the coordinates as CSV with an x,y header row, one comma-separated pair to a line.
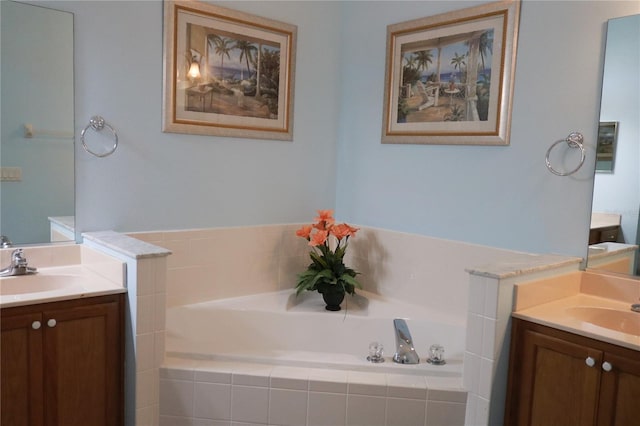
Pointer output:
x,y
327,272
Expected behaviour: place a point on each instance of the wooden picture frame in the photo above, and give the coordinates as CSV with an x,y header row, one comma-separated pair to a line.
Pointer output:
x,y
449,78
227,73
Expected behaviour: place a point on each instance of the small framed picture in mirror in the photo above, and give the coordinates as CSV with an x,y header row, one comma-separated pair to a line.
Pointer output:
x,y
606,148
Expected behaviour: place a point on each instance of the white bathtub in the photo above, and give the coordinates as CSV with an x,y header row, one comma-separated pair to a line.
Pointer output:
x,y
274,359
282,329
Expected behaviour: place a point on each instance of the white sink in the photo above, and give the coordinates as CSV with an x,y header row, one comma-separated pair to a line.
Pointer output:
x,y
37,283
612,319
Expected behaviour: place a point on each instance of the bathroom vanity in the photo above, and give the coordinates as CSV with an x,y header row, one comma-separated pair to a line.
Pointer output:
x,y
63,362
62,338
575,352
563,378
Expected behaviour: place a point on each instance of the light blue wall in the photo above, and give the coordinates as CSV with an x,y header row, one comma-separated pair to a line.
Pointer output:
x,y
498,196
158,180
619,192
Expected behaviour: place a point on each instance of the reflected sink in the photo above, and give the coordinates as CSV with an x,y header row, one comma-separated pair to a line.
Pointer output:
x,y
38,283
613,319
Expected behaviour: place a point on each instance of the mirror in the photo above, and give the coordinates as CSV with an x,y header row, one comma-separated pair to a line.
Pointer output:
x,y
37,128
616,195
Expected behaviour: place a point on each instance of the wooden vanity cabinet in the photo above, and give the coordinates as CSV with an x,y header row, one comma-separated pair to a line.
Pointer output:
x,y
563,379
62,363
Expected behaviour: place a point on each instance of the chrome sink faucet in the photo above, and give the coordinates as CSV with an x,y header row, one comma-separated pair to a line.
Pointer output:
x,y
405,352
18,266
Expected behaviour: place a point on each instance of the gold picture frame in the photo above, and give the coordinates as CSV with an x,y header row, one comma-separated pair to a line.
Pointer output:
x,y
465,98
227,73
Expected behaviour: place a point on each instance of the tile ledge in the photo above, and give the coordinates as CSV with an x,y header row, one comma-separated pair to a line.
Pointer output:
x,y
125,245
523,264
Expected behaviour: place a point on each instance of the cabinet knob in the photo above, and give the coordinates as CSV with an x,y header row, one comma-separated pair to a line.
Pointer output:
x,y
607,366
36,325
590,361
51,323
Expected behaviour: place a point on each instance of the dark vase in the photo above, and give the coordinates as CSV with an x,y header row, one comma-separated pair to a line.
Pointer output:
x,y
333,298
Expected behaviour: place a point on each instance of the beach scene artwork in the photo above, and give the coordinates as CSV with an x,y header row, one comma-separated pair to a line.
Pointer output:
x,y
239,75
446,79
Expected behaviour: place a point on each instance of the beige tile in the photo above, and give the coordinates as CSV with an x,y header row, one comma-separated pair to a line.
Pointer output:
x,y
250,404
366,410
212,401
445,413
287,407
405,412
327,409
145,314
176,397
145,352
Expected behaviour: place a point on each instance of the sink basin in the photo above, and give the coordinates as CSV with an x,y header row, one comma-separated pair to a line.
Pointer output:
x,y
37,283
613,319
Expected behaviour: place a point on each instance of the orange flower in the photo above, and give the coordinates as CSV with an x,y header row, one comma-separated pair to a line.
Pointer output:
x,y
325,216
352,230
341,231
304,232
318,238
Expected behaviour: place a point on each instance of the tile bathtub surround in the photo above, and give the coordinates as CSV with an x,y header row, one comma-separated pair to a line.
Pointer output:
x,y
226,262
199,391
146,292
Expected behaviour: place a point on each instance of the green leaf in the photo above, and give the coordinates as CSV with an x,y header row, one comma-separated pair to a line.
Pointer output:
x,y
350,280
319,260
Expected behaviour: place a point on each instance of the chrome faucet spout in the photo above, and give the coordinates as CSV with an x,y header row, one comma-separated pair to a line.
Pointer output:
x,y
405,352
18,266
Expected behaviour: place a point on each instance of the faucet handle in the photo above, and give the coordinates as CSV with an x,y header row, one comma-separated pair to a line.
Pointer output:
x,y
17,257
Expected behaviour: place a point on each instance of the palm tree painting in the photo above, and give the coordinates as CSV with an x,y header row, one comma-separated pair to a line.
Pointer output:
x,y
446,79
241,77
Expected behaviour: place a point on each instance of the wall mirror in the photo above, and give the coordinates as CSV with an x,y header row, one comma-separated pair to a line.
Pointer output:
x,y
616,196
37,128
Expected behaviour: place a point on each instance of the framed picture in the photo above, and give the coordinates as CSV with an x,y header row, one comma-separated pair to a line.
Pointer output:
x,y
606,147
449,78
227,73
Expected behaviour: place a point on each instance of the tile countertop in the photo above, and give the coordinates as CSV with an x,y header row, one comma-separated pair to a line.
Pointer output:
x,y
76,281
557,315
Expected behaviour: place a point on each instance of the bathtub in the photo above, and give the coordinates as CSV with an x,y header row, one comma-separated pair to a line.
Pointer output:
x,y
275,358
280,328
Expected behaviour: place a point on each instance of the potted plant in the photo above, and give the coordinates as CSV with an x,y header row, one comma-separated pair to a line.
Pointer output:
x,y
327,274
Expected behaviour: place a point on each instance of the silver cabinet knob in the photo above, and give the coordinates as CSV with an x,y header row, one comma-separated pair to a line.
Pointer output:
x,y
590,361
36,325
51,323
607,366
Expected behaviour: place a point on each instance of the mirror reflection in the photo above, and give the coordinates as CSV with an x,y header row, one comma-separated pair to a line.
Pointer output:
x,y
37,128
614,231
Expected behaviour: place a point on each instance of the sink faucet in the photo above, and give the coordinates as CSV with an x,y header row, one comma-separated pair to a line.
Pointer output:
x,y
5,242
405,352
18,265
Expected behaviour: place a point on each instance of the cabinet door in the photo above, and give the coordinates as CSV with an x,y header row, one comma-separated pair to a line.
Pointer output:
x,y
620,391
21,370
82,360
557,386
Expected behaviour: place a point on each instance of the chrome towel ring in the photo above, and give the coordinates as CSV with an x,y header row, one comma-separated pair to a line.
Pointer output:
x,y
97,123
574,140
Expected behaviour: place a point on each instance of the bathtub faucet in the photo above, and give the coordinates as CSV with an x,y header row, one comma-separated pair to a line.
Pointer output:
x,y
405,353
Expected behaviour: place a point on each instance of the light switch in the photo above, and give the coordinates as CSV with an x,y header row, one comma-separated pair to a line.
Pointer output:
x,y
11,174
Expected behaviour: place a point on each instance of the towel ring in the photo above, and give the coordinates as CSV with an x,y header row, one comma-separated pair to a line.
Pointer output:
x,y
97,123
574,140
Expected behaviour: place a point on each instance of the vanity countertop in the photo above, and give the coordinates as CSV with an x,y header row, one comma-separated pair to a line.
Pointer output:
x,y
580,313
55,284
